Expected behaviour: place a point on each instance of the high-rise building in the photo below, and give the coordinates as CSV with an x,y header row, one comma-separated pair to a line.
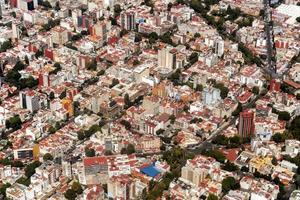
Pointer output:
x,y
246,125
27,4
167,57
128,20
29,100
219,47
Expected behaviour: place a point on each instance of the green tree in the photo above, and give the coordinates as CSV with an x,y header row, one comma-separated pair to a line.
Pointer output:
x,y
255,90
77,187
127,101
117,9
14,122
193,58
196,35
92,66
47,156
128,150
24,181
212,197
30,168
298,96
3,189
283,115
5,46
26,59
80,135
228,184
172,119
70,194
51,95
114,83
138,37
63,94
90,152
230,167
298,19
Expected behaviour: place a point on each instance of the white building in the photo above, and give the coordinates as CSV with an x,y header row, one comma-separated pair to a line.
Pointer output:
x,y
167,57
211,95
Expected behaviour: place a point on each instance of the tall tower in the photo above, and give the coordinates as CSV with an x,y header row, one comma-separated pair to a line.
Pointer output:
x,y
246,124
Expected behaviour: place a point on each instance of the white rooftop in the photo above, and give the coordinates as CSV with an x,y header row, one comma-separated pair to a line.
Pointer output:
x,y
293,11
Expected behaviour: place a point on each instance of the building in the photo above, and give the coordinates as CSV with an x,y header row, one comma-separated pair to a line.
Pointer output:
x,y
211,96
128,20
27,4
167,57
120,187
219,47
246,125
295,195
29,100
59,35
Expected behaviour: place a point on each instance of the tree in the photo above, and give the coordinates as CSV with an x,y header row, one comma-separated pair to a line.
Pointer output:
x,y
57,6
294,128
255,90
128,150
228,184
14,122
160,131
278,137
274,161
230,167
90,152
92,66
212,197
63,94
5,46
224,90
218,155
284,115
114,83
47,156
196,35
24,181
26,59
101,72
172,119
298,96
3,189
136,62
153,37
298,19
30,168
237,110
51,95
108,152
77,187
138,37
39,53
126,124
193,58
80,135
70,194
117,9
127,101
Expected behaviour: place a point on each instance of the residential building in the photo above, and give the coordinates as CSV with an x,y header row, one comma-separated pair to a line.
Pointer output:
x,y
246,125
